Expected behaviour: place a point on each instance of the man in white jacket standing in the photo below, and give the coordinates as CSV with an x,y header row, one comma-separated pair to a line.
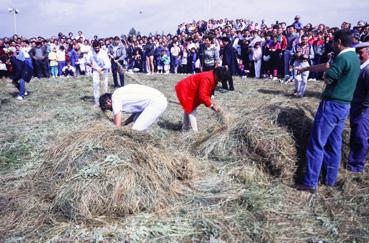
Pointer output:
x,y
99,61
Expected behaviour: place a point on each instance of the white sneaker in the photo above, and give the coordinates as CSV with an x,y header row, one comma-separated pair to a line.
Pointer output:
x,y
275,78
19,97
26,93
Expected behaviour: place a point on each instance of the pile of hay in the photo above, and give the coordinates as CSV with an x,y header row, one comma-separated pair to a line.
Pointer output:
x,y
104,171
273,137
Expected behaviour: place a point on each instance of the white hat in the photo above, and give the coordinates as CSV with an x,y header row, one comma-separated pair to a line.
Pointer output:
x,y
362,45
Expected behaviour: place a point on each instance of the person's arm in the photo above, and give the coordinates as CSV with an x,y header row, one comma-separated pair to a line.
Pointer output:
x,y
118,119
205,92
315,68
129,119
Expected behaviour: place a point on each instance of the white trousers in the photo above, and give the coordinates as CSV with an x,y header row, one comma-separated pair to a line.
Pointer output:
x,y
190,119
301,78
257,67
97,78
150,114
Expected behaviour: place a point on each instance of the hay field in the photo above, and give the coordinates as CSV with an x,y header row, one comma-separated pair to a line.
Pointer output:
x,y
66,174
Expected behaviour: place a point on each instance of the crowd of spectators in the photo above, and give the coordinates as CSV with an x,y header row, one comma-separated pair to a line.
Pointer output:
x,y
246,48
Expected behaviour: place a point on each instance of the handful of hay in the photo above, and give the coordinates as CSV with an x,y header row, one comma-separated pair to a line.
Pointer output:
x,y
104,171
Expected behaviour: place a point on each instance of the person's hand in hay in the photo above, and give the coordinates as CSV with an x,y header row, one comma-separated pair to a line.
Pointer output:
x,y
196,90
145,103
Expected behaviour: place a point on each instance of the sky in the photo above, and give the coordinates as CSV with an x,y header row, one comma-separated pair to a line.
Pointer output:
x,y
115,17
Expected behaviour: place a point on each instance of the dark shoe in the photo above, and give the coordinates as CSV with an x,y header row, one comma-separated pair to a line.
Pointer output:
x,y
306,188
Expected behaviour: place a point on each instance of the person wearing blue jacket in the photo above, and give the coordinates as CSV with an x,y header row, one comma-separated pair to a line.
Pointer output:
x,y
22,72
73,56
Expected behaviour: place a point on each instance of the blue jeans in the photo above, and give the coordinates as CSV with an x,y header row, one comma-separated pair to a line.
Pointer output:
x,y
54,71
359,140
324,148
61,64
286,61
21,87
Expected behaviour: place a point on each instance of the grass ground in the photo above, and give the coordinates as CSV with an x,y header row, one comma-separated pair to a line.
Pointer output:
x,y
240,188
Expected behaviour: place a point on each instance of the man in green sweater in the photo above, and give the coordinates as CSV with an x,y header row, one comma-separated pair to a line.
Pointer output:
x,y
324,147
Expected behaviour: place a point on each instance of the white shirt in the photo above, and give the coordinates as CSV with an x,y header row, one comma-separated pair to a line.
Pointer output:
x,y
26,51
60,55
69,68
84,48
134,98
362,66
175,51
100,59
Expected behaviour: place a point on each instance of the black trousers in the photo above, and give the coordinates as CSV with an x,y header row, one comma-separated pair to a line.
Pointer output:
x,y
41,68
115,70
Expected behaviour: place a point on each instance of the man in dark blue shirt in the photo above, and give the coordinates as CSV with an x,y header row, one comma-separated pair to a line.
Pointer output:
x,y
359,114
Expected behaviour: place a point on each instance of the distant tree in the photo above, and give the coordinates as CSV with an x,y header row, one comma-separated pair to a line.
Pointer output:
x,y
138,33
132,31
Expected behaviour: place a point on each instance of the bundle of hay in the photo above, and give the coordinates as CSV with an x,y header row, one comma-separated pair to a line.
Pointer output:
x,y
264,136
103,171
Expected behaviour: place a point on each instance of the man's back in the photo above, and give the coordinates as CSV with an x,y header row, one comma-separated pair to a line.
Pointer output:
x,y
342,77
133,98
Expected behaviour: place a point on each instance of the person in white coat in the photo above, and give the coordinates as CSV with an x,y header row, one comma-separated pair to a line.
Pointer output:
x,y
257,54
99,61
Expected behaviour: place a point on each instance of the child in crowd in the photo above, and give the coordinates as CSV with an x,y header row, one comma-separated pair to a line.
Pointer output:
x,y
61,59
192,60
257,54
137,61
165,61
175,51
275,51
53,58
69,70
243,71
183,61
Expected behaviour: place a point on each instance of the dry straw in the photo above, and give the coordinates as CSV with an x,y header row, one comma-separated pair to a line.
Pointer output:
x,y
103,171
255,137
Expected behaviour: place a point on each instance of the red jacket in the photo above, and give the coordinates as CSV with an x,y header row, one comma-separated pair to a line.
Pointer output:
x,y
195,90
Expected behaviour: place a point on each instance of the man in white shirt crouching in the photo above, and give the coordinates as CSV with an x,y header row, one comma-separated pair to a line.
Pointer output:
x,y
146,105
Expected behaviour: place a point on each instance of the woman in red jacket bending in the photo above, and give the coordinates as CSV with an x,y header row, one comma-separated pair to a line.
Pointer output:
x,y
196,90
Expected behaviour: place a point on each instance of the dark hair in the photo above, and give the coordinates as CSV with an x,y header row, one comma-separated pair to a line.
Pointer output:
x,y
95,44
226,39
209,37
222,74
344,36
103,100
